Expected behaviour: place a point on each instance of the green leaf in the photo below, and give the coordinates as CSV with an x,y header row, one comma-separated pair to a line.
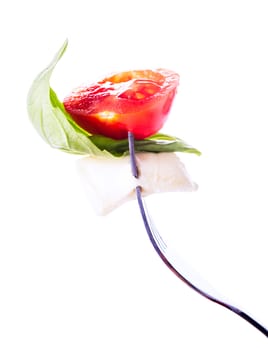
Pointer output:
x,y
155,143
50,119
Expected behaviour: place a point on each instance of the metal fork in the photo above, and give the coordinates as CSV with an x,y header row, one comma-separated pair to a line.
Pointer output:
x,y
173,261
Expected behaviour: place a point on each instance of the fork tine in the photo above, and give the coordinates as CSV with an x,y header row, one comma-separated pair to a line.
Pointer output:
x,y
157,235
154,235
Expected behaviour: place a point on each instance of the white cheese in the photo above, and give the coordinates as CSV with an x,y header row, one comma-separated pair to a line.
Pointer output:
x,y
108,182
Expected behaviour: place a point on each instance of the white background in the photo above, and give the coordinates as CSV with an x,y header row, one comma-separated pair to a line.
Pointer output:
x,y
71,280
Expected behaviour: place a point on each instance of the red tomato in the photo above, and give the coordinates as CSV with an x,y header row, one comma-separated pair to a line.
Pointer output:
x,y
136,101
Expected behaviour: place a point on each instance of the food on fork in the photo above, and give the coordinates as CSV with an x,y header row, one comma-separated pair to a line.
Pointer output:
x,y
100,122
94,121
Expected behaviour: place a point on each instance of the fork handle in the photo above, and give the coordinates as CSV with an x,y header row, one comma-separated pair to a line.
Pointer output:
x,y
208,296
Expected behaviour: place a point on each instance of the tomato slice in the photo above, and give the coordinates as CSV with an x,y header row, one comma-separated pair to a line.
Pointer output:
x,y
138,101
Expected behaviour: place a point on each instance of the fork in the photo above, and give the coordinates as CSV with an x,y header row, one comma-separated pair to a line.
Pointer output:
x,y
172,259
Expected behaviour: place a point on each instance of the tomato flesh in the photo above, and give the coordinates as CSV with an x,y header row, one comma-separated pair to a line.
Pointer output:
x,y
138,101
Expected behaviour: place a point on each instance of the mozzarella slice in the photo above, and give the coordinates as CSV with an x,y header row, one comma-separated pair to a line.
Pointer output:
x,y
108,182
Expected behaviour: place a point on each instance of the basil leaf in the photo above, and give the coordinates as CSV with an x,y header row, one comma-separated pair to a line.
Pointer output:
x,y
155,143
166,143
50,119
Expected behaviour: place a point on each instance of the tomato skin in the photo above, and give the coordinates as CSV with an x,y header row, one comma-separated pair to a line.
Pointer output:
x,y
138,101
